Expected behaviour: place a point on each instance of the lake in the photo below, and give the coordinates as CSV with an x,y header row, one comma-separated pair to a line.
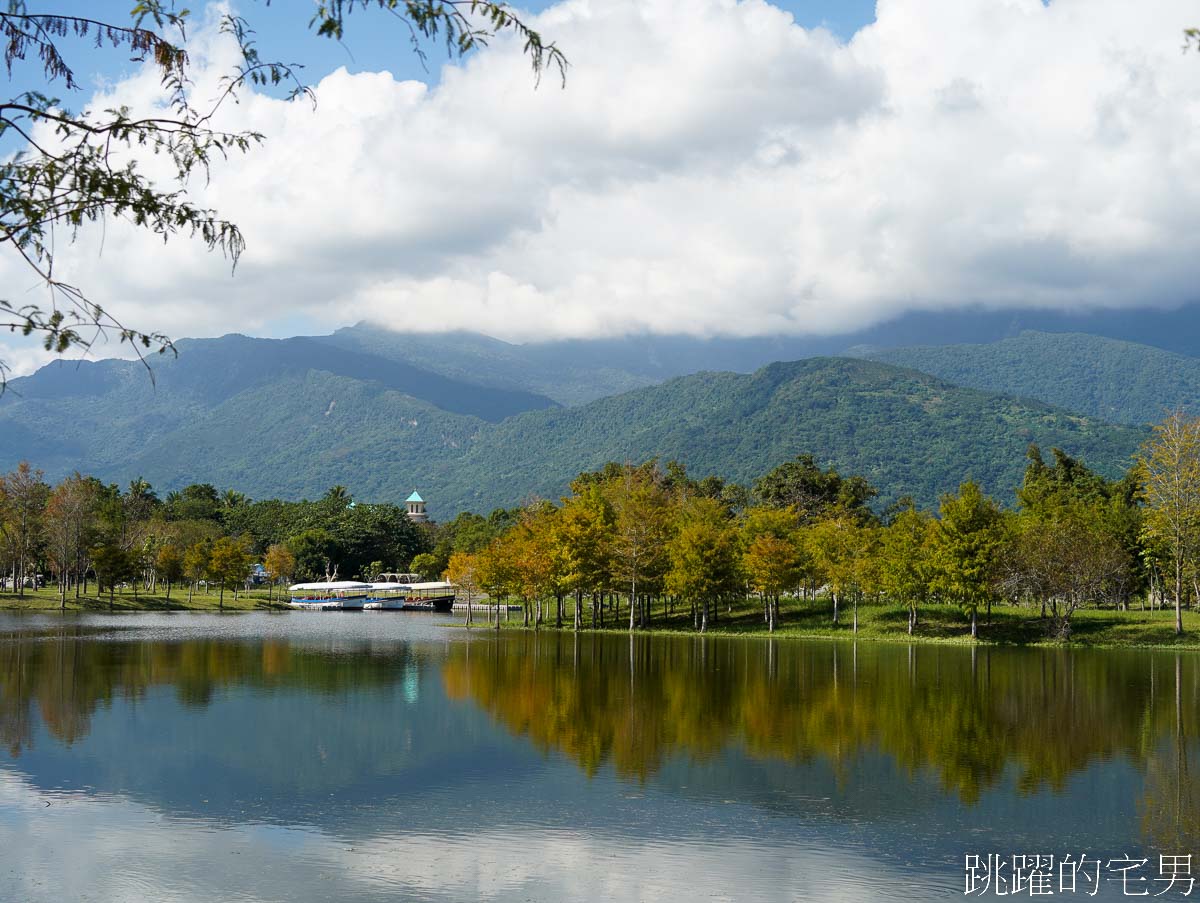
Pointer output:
x,y
389,756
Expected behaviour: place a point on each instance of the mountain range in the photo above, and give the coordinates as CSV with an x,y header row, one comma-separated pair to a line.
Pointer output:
x,y
475,423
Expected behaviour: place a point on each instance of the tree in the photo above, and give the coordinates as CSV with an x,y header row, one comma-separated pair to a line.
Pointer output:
x,y
77,167
906,566
461,571
424,564
495,572
774,559
641,528
169,563
25,496
228,563
813,492
843,549
967,548
195,563
582,544
1169,474
279,563
705,560
69,514
313,552
113,565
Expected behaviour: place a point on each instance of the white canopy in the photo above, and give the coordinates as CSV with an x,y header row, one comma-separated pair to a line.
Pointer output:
x,y
441,584
331,587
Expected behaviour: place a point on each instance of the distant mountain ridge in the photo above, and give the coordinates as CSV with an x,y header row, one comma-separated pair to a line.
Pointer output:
x,y
1118,381
290,418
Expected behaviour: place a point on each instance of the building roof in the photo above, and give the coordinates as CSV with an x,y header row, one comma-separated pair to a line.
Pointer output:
x,y
415,498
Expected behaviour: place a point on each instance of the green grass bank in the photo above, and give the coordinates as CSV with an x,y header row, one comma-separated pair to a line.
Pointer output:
x,y
1136,628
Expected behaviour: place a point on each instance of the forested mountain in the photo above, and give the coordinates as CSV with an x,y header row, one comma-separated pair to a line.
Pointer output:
x,y
99,415
906,432
1118,381
293,426
581,370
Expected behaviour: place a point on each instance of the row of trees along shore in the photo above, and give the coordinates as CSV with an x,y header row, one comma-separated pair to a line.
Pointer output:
x,y
655,540
82,530
634,542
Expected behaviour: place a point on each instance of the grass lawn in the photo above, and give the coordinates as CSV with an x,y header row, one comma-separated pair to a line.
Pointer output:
x,y
936,624
124,600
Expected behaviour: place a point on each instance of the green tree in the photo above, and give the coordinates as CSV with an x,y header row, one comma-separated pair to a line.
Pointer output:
x,y
314,552
425,564
641,527
906,568
968,547
705,560
812,492
113,565
774,557
582,544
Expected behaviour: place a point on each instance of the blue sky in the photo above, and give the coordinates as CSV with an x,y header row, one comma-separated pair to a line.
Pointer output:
x,y
711,168
283,34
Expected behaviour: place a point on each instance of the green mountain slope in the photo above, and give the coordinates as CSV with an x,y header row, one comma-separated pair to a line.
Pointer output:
x,y
305,429
905,431
100,415
1118,381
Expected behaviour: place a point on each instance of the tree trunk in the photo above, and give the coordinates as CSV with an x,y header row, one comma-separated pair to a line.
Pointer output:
x,y
632,601
168,582
221,597
835,609
974,625
856,612
1178,596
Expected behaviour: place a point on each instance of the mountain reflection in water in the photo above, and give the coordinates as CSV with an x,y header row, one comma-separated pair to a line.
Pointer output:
x,y
874,764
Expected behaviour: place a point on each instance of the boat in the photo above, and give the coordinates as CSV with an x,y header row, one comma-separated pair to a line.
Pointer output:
x,y
393,596
345,595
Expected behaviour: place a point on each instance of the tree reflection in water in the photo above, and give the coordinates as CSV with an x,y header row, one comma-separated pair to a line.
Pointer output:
x,y
966,715
969,716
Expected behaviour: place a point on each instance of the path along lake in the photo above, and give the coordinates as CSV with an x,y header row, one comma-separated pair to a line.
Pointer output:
x,y
381,757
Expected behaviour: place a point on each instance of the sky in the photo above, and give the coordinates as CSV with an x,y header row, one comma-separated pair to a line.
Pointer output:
x,y
711,167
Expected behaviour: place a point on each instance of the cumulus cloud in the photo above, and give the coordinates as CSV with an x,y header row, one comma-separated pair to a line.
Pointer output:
x,y
710,168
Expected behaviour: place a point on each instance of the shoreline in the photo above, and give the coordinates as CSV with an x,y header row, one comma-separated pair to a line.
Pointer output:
x,y
942,625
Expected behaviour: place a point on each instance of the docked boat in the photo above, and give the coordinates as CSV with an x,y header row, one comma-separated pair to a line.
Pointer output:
x,y
338,596
429,596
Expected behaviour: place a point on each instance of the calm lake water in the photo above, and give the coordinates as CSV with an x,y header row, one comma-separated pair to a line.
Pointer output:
x,y
381,757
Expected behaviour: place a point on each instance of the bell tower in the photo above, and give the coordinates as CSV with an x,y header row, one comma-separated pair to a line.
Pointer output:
x,y
416,509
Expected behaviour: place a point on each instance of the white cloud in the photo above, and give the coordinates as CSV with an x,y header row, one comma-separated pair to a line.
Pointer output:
x,y
710,168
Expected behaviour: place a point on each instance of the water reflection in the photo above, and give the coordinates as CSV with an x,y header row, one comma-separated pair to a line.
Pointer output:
x,y
966,714
527,765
